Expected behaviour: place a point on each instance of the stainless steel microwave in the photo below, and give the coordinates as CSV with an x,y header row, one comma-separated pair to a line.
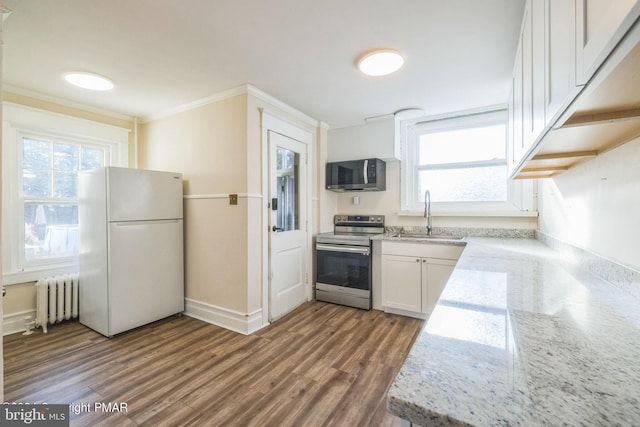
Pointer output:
x,y
357,175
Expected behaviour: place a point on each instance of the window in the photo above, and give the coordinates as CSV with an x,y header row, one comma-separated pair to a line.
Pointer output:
x,y
42,155
287,217
464,165
461,160
49,195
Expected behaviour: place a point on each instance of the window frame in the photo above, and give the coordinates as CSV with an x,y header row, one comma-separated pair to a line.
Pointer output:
x,y
21,121
520,193
42,262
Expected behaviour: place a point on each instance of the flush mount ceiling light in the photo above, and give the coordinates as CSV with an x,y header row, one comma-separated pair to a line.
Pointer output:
x,y
88,81
380,62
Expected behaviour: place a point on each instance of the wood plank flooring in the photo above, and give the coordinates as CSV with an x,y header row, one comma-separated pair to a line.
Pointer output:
x,y
323,364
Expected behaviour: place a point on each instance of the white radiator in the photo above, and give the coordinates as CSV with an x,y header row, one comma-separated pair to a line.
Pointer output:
x,y
56,299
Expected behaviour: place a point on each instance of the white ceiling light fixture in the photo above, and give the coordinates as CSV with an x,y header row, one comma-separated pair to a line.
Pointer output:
x,y
380,62
88,81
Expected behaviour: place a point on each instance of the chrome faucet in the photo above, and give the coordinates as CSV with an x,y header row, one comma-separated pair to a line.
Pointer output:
x,y
427,211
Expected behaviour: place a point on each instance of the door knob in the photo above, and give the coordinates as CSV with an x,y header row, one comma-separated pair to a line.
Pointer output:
x,y
277,229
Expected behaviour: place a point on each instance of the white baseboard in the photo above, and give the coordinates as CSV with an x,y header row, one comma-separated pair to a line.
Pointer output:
x,y
229,319
14,323
400,312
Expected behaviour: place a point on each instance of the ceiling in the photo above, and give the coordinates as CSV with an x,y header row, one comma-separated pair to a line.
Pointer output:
x,y
164,54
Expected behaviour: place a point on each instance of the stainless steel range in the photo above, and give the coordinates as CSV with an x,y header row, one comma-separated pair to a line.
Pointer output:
x,y
343,260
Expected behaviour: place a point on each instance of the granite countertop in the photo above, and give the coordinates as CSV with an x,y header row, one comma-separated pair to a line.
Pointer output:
x,y
520,337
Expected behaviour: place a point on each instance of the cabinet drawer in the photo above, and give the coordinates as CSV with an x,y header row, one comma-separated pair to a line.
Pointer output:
x,y
423,250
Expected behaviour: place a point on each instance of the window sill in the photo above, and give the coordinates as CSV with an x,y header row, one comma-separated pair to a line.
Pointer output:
x,y
35,274
479,213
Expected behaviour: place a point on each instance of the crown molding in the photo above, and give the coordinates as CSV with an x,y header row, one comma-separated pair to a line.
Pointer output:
x,y
230,93
265,97
7,88
220,96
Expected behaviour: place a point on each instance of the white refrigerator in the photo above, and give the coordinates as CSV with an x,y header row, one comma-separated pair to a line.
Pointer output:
x,y
131,260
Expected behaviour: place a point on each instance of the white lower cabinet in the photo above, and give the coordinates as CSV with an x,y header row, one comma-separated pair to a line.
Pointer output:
x,y
402,282
415,274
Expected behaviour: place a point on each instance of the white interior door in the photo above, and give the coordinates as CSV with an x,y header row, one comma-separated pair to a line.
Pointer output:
x,y
287,224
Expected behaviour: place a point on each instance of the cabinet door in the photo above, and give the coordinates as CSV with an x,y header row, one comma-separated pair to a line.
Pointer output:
x,y
515,145
533,72
435,273
559,55
402,282
600,25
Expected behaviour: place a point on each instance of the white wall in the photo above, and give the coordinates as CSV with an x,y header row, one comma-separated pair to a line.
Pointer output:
x,y
326,201
375,139
208,145
596,205
218,148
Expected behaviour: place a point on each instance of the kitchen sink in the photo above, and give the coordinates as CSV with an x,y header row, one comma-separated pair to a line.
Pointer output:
x,y
427,236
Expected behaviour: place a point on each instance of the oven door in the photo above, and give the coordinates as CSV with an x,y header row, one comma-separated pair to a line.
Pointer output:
x,y
343,274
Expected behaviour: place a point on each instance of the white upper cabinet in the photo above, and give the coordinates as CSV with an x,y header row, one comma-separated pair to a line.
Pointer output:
x,y
515,148
570,98
559,56
533,41
600,25
528,99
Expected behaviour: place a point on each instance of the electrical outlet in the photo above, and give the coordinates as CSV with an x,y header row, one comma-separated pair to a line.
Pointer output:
x,y
233,199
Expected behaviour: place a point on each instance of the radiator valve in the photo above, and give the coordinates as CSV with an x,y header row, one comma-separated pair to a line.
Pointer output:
x,y
29,324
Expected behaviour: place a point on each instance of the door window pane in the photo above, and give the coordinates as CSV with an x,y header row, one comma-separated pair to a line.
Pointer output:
x,y
287,217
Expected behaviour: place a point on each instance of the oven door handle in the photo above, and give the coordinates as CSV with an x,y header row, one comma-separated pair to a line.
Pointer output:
x,y
361,250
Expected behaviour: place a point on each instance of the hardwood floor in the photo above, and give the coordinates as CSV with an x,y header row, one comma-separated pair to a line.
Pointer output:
x,y
323,364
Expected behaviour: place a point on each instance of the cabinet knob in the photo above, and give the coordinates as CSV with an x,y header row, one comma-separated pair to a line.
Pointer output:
x,y
418,260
